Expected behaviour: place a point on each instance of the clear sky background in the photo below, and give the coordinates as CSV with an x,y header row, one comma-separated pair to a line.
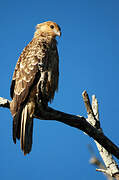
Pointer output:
x,y
89,59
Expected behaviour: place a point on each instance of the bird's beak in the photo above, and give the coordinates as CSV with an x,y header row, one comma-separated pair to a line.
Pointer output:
x,y
58,33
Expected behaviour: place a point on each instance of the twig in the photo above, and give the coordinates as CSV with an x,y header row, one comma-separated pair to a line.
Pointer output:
x,y
96,162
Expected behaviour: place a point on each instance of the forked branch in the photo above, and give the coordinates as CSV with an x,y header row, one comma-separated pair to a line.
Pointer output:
x,y
111,168
74,121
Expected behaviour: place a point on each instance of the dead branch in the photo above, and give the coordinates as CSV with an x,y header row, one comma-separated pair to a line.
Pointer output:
x,y
74,121
111,167
96,162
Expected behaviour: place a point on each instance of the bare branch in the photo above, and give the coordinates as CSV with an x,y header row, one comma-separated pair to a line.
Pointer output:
x,y
96,162
4,103
93,118
74,121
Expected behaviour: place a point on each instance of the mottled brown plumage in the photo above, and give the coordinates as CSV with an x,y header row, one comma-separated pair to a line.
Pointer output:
x,y
35,80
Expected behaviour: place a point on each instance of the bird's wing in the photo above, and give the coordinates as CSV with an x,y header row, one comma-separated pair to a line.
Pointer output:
x,y
25,76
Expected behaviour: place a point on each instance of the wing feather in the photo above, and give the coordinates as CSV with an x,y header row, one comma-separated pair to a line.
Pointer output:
x,y
25,74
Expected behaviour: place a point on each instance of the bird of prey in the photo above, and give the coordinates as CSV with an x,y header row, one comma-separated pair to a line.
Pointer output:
x,y
34,81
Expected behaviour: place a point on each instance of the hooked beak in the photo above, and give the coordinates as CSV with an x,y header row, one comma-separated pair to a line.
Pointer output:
x,y
58,33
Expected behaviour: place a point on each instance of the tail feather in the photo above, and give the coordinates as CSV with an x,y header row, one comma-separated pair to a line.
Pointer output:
x,y
16,126
14,129
26,130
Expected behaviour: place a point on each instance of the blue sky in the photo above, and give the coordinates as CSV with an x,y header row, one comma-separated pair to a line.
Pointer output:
x,y
89,59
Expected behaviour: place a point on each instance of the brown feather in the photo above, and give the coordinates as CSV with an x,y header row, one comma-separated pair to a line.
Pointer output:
x,y
26,129
35,79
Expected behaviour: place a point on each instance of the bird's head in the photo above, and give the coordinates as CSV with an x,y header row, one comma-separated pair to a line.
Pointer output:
x,y
48,28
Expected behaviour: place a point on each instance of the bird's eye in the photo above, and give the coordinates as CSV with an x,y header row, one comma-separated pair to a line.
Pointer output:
x,y
51,26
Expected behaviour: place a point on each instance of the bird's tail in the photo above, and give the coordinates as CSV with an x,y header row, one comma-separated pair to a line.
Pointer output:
x,y
26,128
